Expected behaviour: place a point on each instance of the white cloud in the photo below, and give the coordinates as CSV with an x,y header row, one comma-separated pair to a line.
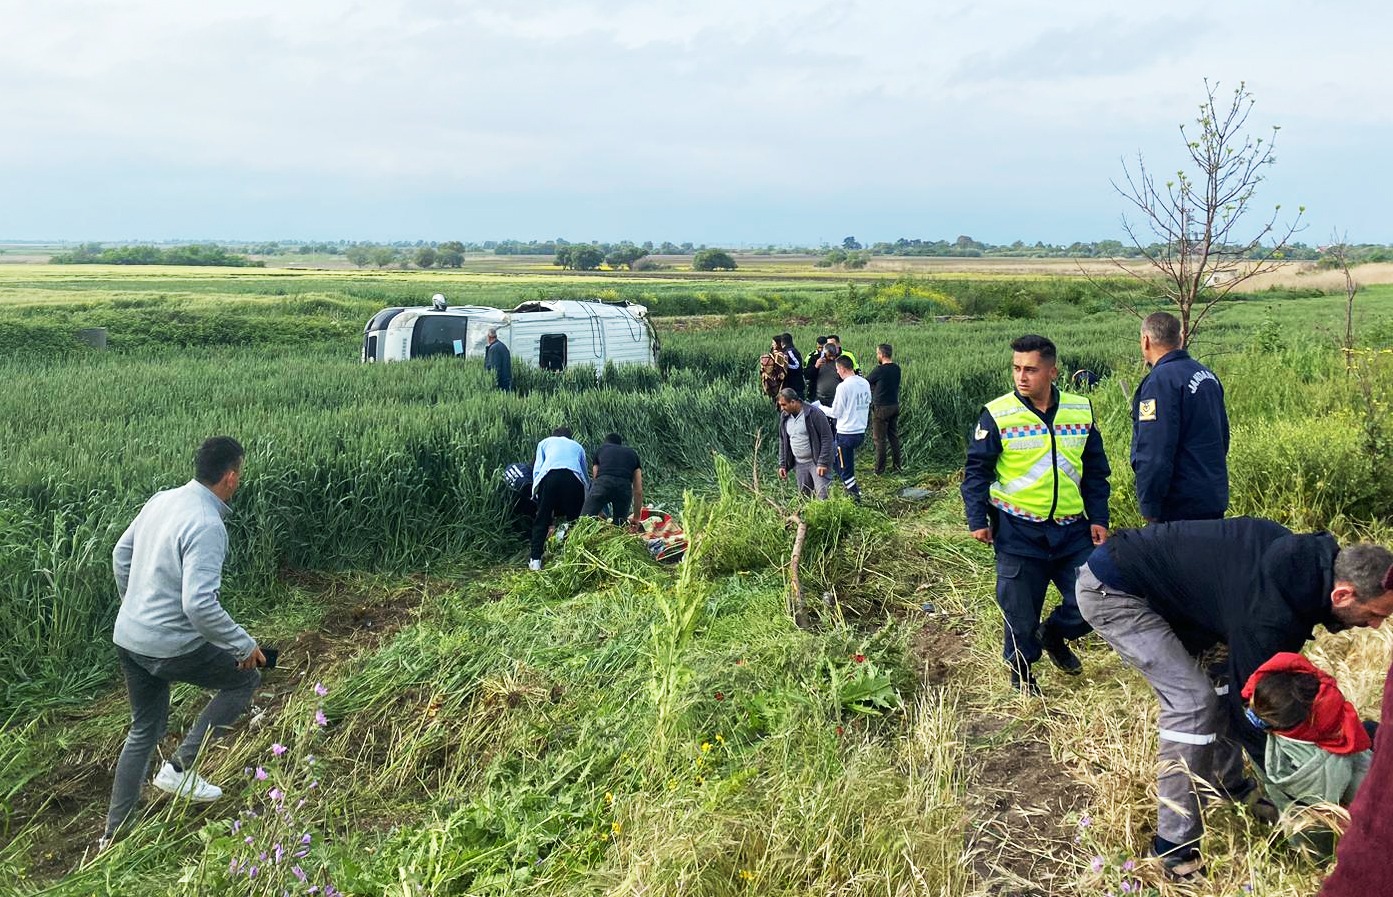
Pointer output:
x,y
894,102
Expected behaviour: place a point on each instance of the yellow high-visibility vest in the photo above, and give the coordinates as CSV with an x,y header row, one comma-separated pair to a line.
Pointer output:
x,y
1041,467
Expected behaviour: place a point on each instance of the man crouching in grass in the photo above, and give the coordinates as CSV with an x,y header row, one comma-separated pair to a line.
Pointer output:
x,y
172,628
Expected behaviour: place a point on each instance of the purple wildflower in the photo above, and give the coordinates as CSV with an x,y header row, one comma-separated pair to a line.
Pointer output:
x,y
278,748
260,774
320,719
276,795
251,873
306,838
1097,864
249,840
320,690
1126,887
1129,866
298,873
280,854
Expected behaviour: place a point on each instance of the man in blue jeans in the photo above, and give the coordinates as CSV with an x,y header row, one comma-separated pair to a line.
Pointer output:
x,y
851,409
172,628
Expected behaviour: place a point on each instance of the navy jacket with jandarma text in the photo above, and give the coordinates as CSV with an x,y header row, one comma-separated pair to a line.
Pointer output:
x,y
1180,441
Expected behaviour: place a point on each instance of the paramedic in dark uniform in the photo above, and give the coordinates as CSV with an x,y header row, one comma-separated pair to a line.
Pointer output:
x,y
1035,487
1180,431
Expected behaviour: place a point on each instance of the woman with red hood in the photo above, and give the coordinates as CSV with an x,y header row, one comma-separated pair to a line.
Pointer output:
x,y
1318,751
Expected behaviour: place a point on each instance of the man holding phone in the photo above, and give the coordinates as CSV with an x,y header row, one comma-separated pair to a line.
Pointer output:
x,y
172,628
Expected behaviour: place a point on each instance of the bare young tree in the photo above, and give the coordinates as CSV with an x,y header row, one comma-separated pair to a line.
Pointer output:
x,y
1339,251
1203,246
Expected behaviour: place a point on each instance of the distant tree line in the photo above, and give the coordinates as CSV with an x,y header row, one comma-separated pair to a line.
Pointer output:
x,y
193,254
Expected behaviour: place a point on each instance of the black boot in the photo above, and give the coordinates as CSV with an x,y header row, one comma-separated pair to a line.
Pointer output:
x,y
1061,655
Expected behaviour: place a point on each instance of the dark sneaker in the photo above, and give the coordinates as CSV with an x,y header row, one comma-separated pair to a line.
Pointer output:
x,y
1061,655
1189,869
1179,862
1026,686
1250,795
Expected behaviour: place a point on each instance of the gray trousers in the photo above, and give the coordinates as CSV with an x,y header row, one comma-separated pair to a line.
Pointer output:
x,y
1194,745
809,483
147,685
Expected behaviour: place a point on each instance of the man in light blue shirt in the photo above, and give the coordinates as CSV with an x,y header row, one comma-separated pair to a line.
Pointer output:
x,y
558,486
172,627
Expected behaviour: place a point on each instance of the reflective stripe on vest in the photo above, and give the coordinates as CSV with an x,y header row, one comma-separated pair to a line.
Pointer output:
x,y
1040,470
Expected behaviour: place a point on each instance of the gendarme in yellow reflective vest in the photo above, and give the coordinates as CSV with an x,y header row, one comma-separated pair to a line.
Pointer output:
x,y
1040,468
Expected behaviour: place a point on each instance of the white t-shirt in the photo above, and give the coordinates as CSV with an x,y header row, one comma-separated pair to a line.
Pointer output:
x,y
852,407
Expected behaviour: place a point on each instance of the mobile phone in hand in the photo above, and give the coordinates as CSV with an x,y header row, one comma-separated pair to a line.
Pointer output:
x,y
271,655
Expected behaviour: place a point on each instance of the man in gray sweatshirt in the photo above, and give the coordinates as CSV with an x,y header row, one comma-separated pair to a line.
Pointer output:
x,y
172,628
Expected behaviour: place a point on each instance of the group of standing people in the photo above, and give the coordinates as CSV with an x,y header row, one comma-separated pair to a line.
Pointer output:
x,y
1167,595
825,408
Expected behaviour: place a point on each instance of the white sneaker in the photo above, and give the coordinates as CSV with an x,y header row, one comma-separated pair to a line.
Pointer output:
x,y
187,784
534,565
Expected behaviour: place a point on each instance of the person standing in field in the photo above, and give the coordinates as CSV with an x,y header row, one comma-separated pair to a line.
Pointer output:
x,y
851,408
1035,487
498,359
884,379
1362,868
825,377
171,627
558,487
837,341
793,378
773,369
810,368
805,444
1180,431
1163,595
617,483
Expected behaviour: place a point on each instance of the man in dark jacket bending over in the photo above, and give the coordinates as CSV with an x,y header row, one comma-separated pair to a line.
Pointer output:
x,y
1162,595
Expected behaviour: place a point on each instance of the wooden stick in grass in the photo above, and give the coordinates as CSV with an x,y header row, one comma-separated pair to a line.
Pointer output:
x,y
800,611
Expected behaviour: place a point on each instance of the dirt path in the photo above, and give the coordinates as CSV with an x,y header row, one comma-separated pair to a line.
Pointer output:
x,y
1018,798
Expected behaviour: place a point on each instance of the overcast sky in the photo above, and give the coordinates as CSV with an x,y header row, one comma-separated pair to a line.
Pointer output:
x,y
717,121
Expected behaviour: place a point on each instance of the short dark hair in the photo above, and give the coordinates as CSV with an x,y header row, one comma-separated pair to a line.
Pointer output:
x,y
844,361
1283,699
215,457
789,394
614,439
1363,566
1163,328
1033,342
832,337
886,349
822,340
563,432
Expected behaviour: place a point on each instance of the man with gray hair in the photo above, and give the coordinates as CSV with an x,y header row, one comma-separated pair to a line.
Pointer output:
x,y
498,359
805,443
1180,430
1163,595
